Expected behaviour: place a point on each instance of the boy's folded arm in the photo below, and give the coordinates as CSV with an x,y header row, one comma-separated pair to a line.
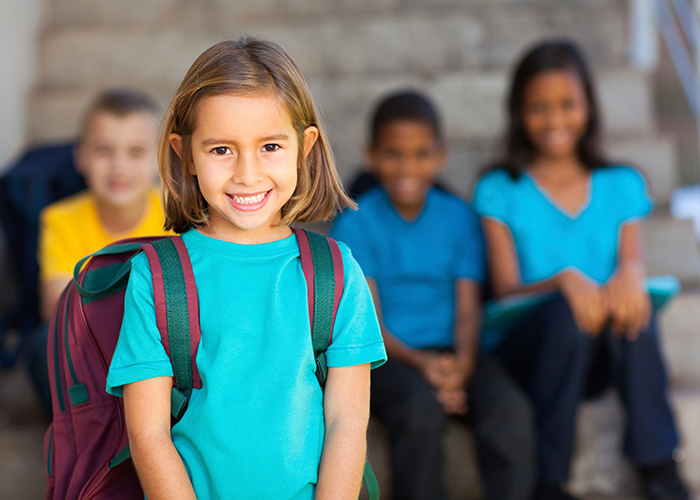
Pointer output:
x,y
158,464
467,328
346,414
50,291
419,360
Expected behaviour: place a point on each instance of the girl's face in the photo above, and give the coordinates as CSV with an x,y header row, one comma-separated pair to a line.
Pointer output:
x,y
406,158
244,152
555,113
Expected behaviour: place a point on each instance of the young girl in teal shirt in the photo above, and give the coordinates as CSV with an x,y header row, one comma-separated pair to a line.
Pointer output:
x,y
242,156
558,217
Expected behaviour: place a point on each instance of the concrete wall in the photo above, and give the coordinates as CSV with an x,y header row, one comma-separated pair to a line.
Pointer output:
x,y
19,24
351,51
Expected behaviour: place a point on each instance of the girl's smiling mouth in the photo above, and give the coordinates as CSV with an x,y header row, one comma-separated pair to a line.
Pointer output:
x,y
248,202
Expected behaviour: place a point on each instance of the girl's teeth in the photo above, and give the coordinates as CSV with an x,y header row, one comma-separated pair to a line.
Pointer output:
x,y
247,200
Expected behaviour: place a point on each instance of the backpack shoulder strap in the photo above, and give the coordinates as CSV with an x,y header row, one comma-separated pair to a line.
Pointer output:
x,y
177,314
322,265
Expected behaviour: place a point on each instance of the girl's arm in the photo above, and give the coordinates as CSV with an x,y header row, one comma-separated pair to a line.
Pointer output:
x,y
346,413
629,302
585,298
158,464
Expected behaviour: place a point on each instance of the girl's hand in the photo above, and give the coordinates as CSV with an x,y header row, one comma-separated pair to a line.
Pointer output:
x,y
629,303
587,301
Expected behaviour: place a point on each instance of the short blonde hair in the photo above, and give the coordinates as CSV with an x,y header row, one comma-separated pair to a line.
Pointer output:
x,y
248,66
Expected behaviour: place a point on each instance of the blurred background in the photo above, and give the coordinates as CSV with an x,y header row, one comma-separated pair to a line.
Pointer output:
x,y
56,55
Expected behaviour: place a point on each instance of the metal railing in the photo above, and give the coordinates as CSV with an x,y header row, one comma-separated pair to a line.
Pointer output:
x,y
678,22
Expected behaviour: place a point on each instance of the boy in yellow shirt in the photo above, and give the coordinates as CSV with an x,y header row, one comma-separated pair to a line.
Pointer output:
x,y
116,154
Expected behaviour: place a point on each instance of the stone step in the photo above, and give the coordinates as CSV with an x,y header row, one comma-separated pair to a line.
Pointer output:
x,y
508,25
679,324
599,468
671,248
471,102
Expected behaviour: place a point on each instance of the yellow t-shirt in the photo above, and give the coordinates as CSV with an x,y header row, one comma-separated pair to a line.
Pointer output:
x,y
70,229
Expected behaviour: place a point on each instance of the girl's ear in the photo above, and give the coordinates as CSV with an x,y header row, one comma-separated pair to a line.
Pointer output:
x,y
310,138
176,144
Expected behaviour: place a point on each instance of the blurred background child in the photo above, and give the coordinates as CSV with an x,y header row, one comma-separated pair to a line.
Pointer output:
x,y
558,217
117,156
421,250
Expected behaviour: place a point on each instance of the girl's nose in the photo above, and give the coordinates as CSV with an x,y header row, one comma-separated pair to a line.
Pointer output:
x,y
247,170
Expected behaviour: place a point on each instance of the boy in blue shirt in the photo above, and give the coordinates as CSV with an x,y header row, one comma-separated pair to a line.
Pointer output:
x,y
421,250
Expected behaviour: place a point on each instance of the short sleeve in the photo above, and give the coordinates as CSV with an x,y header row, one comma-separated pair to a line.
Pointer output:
x,y
139,354
55,250
472,252
357,338
490,196
636,200
347,229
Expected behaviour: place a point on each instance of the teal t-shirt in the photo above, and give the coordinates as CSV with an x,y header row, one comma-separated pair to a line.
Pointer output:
x,y
416,263
547,238
255,430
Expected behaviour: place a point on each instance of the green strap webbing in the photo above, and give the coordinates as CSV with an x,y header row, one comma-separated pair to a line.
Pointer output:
x,y
321,328
102,285
178,323
370,482
120,457
324,290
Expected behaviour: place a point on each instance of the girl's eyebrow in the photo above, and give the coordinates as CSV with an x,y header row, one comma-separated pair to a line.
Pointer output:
x,y
276,137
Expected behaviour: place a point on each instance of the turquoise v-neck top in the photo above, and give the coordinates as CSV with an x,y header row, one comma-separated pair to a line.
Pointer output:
x,y
255,429
547,238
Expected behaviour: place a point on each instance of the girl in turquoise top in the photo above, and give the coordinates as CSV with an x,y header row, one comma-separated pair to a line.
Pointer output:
x,y
243,155
558,217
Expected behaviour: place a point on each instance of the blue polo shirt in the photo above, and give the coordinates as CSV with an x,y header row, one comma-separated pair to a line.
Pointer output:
x,y
547,238
255,429
415,262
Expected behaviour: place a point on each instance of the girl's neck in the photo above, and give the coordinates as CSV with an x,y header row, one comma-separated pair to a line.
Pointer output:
x,y
557,168
120,220
229,232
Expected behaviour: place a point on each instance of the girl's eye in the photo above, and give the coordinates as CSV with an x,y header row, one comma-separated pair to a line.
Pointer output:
x,y
269,148
221,150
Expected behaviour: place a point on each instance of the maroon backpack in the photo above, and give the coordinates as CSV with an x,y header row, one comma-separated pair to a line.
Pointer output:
x,y
86,448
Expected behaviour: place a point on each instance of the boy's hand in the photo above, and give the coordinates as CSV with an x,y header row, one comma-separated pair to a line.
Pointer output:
x,y
457,371
628,302
432,367
587,301
454,402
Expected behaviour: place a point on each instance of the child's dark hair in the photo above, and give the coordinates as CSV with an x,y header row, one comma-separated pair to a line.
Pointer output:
x,y
120,102
406,105
550,55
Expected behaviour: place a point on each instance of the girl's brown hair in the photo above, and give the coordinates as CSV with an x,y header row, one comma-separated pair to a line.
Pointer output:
x,y
248,66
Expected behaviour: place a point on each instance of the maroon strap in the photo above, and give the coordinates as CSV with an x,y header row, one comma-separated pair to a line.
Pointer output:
x,y
158,295
192,302
339,280
307,267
